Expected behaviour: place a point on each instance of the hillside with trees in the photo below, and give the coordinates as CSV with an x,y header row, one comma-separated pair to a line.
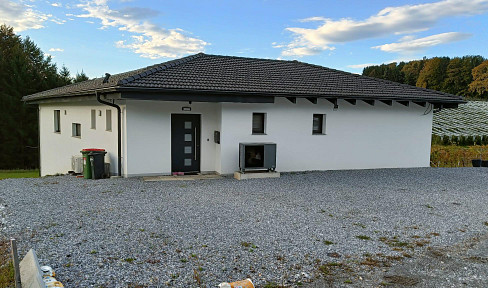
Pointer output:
x,y
466,76
24,69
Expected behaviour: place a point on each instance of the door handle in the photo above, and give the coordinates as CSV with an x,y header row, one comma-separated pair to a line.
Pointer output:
x,y
195,144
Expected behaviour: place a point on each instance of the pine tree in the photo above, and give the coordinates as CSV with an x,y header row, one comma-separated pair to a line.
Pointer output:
x,y
23,70
80,77
65,76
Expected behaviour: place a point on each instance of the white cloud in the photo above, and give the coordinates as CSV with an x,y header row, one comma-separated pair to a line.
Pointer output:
x,y
150,40
389,21
56,50
409,44
57,4
361,66
312,19
21,16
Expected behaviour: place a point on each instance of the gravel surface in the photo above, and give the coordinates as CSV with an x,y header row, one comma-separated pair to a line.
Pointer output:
x,y
127,232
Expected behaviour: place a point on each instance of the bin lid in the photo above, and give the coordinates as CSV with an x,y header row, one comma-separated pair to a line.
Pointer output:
x,y
93,149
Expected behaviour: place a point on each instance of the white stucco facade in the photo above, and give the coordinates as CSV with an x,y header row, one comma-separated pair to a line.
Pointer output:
x,y
148,143
57,148
357,136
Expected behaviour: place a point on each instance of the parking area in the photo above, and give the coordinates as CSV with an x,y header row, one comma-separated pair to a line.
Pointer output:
x,y
290,230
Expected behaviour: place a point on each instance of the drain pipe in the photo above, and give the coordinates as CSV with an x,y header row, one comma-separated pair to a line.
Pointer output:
x,y
119,127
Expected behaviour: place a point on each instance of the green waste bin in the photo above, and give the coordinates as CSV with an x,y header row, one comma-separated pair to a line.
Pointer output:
x,y
87,169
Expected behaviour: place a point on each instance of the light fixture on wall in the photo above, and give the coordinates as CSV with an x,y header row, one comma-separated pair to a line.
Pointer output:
x,y
65,113
99,112
336,106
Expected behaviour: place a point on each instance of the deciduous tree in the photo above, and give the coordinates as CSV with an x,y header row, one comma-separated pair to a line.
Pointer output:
x,y
480,79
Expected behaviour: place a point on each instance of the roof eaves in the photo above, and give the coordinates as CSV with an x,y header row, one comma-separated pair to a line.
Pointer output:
x,y
357,96
403,85
83,92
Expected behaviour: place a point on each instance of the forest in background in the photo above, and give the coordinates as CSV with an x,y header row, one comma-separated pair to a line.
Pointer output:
x,y
24,70
466,76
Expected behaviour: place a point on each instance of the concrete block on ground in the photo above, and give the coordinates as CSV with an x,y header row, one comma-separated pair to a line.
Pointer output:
x,y
256,175
30,271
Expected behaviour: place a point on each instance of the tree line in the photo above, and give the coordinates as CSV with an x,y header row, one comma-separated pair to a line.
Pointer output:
x,y
466,76
24,70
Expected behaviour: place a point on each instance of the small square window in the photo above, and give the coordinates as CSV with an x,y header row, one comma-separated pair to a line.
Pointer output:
x,y
93,119
318,126
258,123
76,130
57,121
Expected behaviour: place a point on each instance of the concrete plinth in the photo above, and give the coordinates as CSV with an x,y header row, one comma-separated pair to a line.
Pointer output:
x,y
256,175
30,271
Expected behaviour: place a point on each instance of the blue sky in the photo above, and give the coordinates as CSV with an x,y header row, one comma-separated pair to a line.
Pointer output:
x,y
99,36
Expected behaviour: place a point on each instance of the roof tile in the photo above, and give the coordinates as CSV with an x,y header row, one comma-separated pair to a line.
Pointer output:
x,y
251,75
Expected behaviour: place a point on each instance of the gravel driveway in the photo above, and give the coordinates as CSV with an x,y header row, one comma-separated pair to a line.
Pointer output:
x,y
291,230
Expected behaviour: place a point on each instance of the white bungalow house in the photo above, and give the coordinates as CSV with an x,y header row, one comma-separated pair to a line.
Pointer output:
x,y
190,114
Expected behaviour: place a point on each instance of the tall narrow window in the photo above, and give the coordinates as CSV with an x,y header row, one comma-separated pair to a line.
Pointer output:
x,y
76,130
57,121
258,123
318,125
93,119
108,120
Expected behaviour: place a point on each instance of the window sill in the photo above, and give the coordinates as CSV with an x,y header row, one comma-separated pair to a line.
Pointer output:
x,y
319,134
79,137
259,134
57,132
108,130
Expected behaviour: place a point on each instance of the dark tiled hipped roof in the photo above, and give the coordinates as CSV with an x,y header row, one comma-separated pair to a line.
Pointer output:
x,y
227,74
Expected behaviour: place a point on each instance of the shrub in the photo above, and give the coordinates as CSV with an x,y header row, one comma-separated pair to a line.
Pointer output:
x,y
477,140
454,140
462,140
445,140
470,140
436,139
485,140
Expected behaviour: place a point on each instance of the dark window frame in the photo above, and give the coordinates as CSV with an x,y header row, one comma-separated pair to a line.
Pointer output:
x,y
261,130
57,121
76,130
320,129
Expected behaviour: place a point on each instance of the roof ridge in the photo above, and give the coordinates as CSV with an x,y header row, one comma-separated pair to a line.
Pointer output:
x,y
158,67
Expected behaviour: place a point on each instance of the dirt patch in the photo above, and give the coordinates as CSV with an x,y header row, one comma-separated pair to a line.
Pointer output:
x,y
401,280
464,264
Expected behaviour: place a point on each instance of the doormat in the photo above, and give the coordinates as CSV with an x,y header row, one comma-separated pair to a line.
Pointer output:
x,y
182,177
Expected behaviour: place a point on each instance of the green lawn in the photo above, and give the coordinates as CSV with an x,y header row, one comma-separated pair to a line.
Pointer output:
x,y
4,174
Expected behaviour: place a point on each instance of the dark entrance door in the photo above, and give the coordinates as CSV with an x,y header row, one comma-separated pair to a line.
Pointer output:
x,y
185,143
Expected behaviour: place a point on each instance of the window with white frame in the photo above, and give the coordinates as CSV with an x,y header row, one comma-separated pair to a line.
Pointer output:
x,y
258,123
108,120
76,130
318,124
93,119
57,121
